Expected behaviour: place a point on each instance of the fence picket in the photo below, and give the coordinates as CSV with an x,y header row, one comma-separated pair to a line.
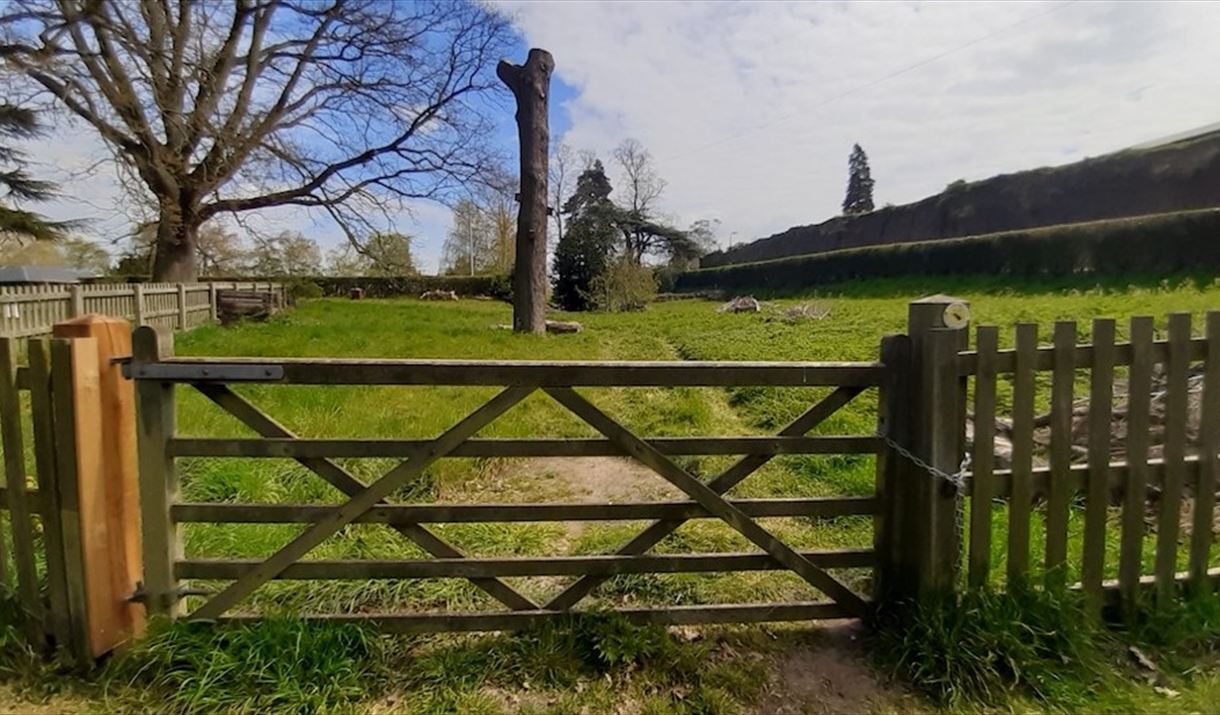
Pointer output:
x,y
1203,523
1101,399
1022,453
1176,406
988,341
1139,387
42,412
1062,385
20,520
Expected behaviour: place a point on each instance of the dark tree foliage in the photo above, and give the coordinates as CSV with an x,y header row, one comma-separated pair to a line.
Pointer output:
x,y
643,234
585,250
17,183
859,199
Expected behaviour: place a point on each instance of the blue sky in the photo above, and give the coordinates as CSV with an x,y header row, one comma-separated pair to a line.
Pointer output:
x,y
751,108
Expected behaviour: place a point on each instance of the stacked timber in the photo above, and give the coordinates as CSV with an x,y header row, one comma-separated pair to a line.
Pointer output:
x,y
234,305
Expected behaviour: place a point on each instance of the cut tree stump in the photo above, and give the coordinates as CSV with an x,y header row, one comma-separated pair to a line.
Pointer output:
x,y
558,326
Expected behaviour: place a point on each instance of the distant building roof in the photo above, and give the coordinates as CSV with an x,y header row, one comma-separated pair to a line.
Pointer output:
x,y
41,274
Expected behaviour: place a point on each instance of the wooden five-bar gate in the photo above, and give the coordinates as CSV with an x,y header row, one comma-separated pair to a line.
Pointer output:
x,y
969,475
157,374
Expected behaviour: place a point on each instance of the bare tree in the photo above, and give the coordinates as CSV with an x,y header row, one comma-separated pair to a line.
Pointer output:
x,y
220,252
344,106
644,230
286,254
563,167
641,184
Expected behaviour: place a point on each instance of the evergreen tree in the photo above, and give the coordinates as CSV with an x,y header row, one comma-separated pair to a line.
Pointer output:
x,y
859,199
585,250
20,123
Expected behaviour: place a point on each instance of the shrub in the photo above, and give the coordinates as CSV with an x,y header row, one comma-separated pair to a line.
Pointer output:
x,y
625,285
389,286
301,289
500,287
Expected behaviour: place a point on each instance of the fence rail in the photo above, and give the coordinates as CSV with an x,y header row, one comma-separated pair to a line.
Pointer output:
x,y
31,311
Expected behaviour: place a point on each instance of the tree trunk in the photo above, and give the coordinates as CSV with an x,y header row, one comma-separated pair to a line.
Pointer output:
x,y
530,84
174,250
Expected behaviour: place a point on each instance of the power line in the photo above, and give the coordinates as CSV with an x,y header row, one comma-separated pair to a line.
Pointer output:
x,y
879,80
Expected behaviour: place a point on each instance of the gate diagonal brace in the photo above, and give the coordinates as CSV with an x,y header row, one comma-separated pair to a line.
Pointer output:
x,y
710,500
721,484
345,482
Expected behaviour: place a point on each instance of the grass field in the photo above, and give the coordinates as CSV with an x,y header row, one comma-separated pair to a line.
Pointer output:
x,y
599,666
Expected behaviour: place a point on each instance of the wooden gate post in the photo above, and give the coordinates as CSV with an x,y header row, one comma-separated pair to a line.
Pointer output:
x,y
930,543
891,525
95,439
158,476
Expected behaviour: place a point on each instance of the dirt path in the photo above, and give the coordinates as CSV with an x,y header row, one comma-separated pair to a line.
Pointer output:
x,y
831,673
604,480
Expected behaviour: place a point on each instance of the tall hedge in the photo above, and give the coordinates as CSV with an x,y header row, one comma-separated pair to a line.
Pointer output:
x,y
1156,245
393,286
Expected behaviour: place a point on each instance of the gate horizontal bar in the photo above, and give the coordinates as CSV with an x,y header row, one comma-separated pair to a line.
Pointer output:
x,y
516,620
220,372
546,566
405,448
467,513
523,373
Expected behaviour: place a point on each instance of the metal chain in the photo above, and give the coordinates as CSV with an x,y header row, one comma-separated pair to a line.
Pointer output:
x,y
957,479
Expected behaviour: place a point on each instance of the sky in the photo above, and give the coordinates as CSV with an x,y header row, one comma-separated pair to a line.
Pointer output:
x,y
750,109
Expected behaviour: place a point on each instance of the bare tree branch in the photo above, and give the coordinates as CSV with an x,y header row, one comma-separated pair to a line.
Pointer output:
x,y
352,106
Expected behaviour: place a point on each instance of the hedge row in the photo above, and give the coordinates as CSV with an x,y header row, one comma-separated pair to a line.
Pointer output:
x,y
1166,244
393,286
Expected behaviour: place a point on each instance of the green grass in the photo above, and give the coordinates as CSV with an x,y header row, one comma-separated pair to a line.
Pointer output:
x,y
582,666
1038,652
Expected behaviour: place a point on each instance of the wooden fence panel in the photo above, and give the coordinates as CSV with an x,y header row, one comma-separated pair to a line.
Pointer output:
x,y
1022,453
42,412
984,456
29,311
1139,387
1203,520
1062,386
1100,417
1176,406
18,503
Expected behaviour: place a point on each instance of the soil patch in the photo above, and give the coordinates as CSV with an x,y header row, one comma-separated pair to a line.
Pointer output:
x,y
605,480
830,673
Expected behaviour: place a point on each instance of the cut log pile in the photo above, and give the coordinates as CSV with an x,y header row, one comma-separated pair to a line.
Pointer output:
x,y
234,305
741,304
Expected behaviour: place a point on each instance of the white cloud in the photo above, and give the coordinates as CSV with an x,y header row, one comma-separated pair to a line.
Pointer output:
x,y
751,108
